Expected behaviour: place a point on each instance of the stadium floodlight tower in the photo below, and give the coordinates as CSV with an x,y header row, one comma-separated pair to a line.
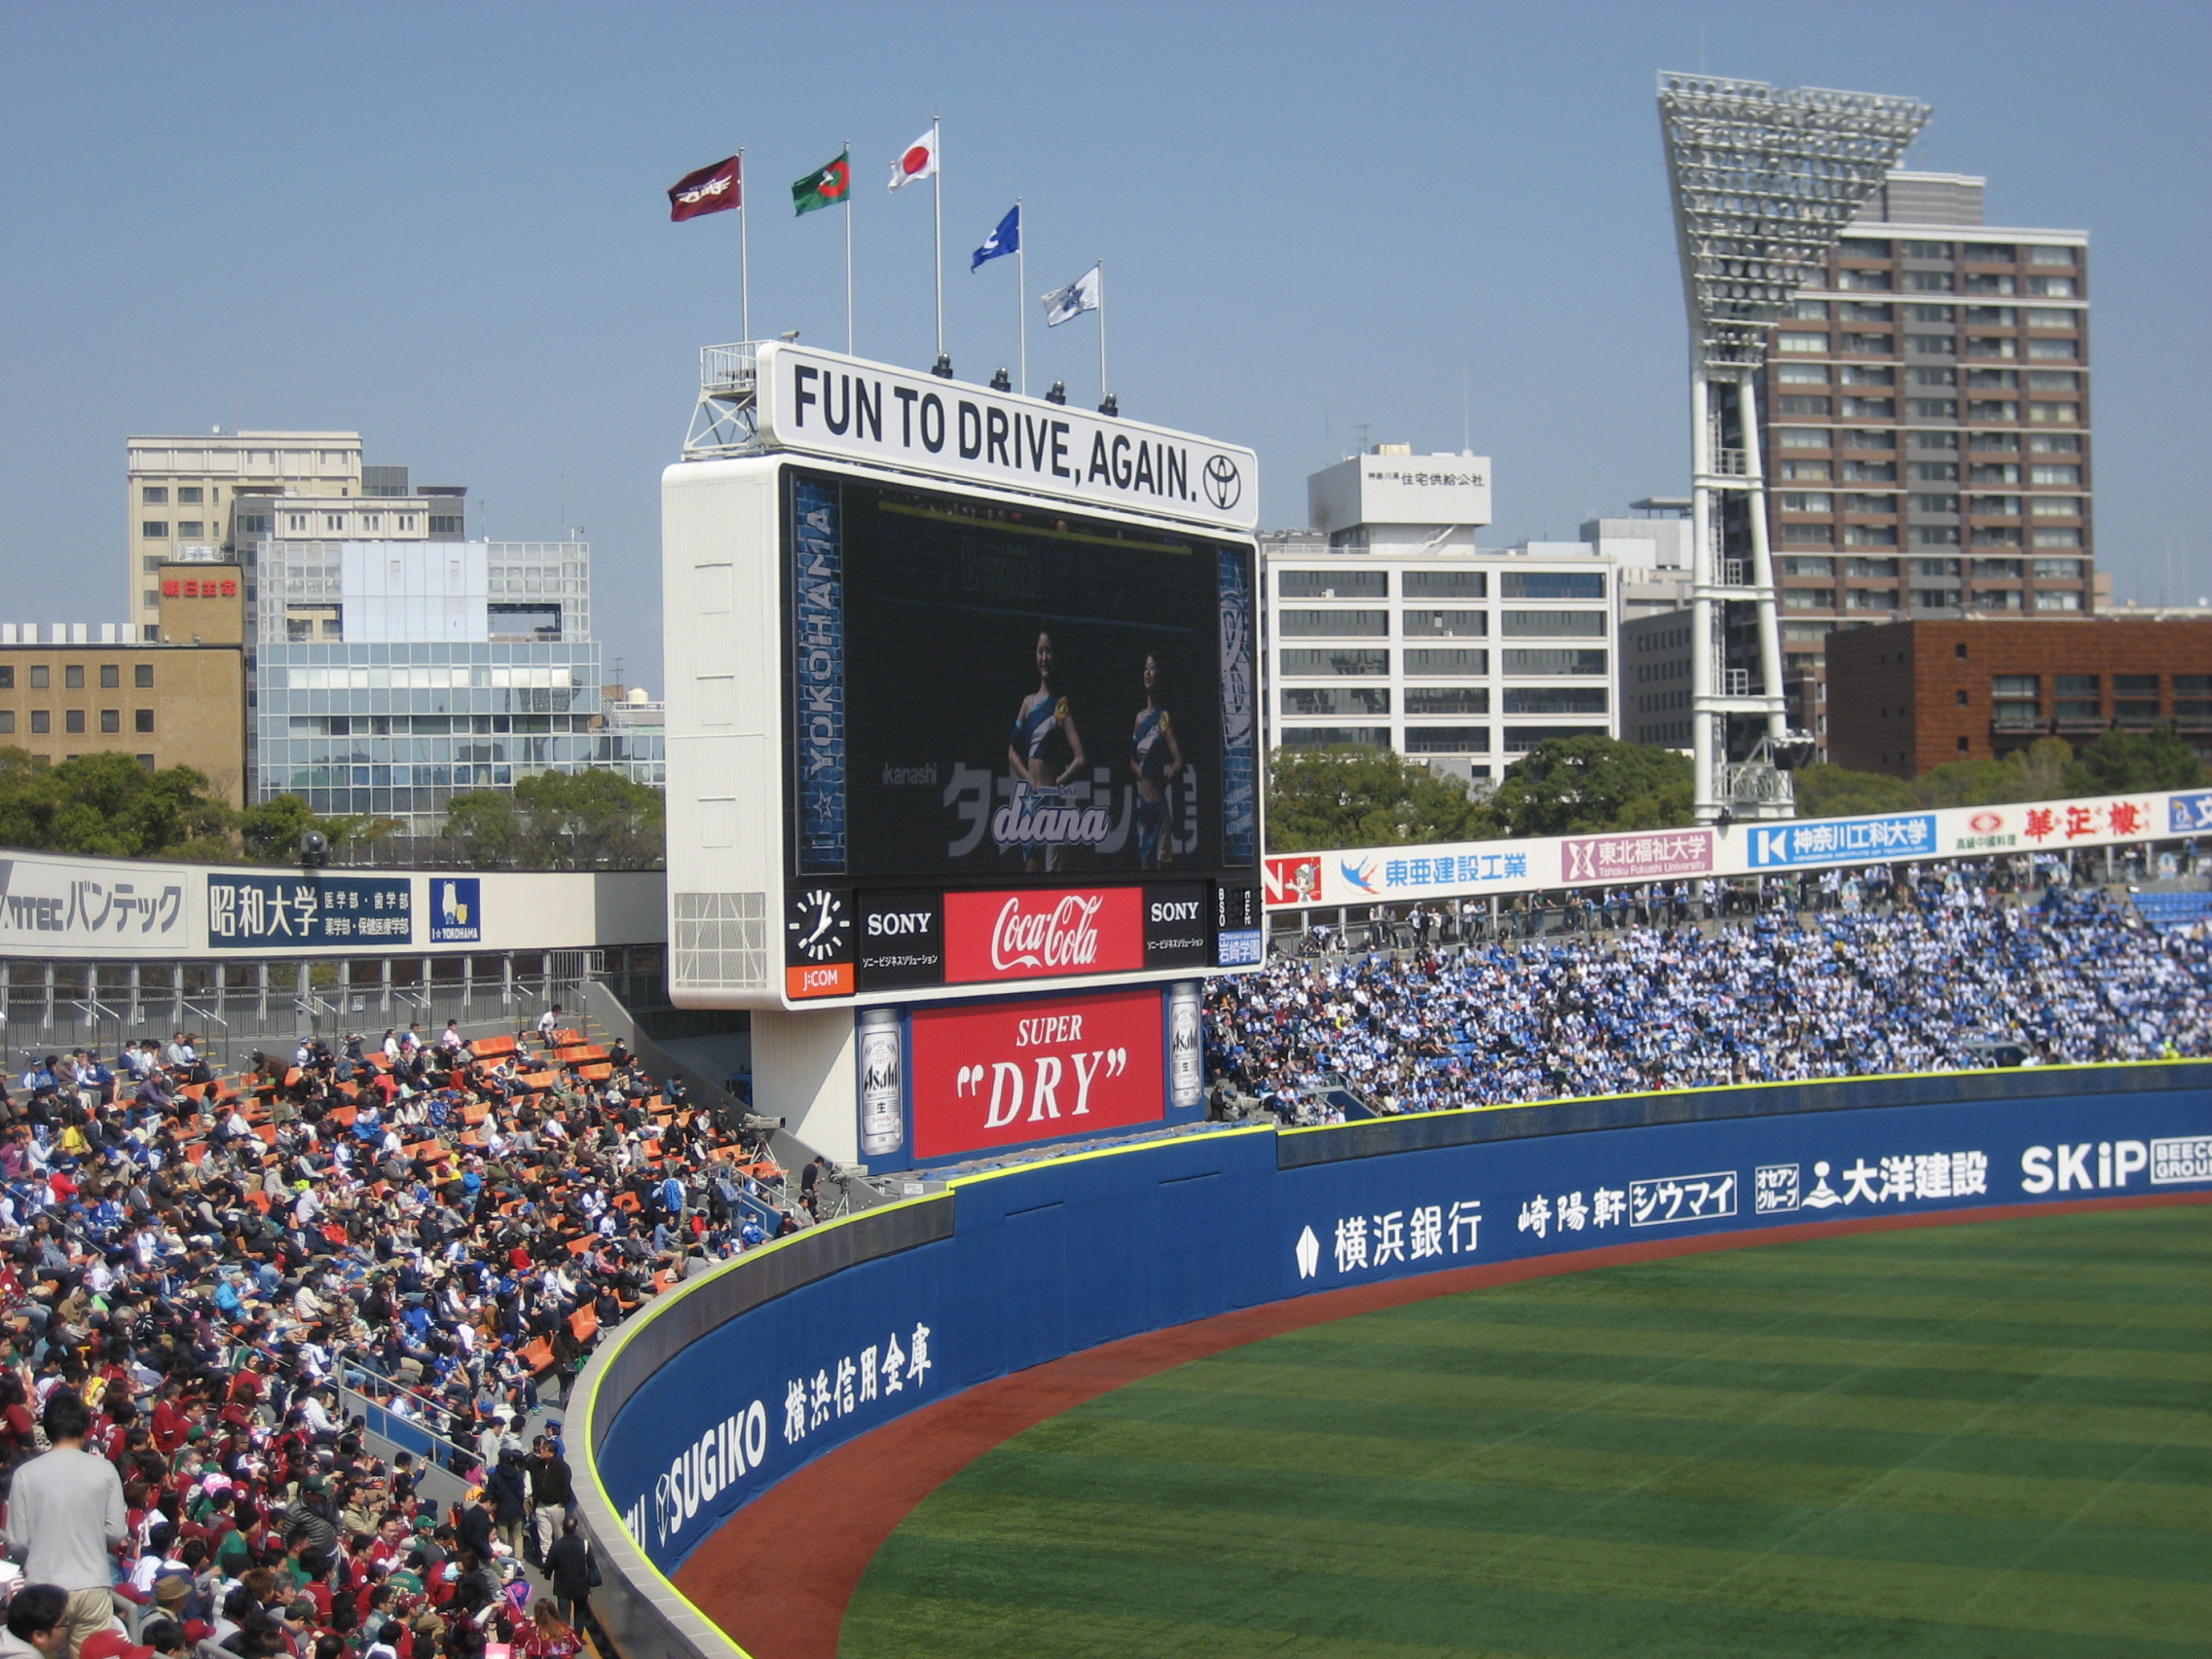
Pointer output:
x,y
1765,179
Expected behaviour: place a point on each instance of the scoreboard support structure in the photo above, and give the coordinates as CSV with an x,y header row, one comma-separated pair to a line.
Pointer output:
x,y
963,775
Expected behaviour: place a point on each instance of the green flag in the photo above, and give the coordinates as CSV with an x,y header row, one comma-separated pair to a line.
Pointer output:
x,y
824,187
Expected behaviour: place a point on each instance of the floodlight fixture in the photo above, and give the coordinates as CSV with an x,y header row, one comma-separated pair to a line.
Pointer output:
x,y
1765,181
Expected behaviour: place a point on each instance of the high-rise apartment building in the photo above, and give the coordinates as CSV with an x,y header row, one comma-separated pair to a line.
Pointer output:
x,y
183,492
1925,416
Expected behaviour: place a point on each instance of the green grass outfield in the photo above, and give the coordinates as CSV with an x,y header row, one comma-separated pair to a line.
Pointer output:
x,y
1992,1439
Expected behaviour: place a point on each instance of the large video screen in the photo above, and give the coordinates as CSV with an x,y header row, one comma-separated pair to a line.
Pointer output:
x,y
985,695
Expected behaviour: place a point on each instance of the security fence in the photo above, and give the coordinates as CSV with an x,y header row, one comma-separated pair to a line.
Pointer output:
x,y
235,1007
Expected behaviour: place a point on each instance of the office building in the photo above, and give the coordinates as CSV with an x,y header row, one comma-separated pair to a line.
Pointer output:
x,y
183,490
392,675
1384,625
1654,689
172,693
1651,547
1925,416
1909,696
632,736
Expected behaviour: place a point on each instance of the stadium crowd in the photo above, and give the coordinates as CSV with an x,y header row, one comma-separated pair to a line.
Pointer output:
x,y
192,1267
189,1267
1946,968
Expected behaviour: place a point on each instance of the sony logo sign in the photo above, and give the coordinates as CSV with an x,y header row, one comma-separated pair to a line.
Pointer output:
x,y
827,403
1175,911
900,924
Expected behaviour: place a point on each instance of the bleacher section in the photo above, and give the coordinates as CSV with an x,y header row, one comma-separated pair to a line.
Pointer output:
x,y
2174,912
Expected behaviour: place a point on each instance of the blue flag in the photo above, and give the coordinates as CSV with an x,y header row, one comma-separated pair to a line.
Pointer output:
x,y
1007,238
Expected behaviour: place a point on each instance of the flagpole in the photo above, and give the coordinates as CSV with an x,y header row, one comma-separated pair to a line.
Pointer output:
x,y
1022,287
743,260
848,247
1101,331
936,206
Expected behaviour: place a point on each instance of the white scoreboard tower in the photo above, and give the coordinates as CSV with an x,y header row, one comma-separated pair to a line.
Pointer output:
x,y
963,773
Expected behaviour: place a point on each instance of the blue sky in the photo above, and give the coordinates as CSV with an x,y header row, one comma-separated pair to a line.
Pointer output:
x,y
444,225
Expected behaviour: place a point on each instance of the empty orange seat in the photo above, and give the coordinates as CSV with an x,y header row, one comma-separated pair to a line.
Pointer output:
x,y
584,1323
491,1048
537,1355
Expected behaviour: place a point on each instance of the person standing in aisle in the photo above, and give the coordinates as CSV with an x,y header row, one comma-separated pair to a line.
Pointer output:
x,y
65,1515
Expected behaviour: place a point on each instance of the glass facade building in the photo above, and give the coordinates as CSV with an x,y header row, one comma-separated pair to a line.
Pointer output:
x,y
390,677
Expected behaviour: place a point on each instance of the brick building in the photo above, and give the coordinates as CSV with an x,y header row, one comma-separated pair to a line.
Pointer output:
x,y
176,699
1909,696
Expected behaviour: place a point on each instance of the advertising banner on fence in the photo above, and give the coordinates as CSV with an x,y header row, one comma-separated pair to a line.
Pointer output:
x,y
56,905
1055,1258
1370,875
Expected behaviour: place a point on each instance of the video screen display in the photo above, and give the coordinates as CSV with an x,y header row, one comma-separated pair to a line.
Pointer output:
x,y
985,695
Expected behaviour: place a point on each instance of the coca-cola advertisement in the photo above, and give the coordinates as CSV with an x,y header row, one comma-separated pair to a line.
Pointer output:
x,y
1033,1069
989,695
1048,935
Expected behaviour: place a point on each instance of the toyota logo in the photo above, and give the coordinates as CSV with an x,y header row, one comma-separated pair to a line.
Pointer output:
x,y
1222,481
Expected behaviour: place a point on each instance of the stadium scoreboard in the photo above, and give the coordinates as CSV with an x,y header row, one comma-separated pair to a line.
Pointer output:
x,y
963,698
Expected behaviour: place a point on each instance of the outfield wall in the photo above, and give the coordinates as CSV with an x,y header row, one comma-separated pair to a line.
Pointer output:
x,y
746,1374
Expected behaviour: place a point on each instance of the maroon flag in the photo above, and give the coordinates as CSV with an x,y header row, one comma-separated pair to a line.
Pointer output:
x,y
709,190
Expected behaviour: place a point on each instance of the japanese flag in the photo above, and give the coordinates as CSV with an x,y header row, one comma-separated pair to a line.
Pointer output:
x,y
918,161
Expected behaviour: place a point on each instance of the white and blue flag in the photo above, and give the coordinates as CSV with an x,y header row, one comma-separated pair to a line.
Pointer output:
x,y
1064,305
1007,238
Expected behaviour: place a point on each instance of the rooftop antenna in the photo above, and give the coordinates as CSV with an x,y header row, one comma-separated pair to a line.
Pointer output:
x,y
1466,426
1361,429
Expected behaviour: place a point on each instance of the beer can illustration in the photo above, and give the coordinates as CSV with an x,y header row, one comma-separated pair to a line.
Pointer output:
x,y
1186,1074
882,1126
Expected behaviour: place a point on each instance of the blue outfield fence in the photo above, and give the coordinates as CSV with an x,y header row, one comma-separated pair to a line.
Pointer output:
x,y
747,1375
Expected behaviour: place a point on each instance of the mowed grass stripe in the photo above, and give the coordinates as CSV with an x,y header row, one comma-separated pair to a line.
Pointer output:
x,y
1125,1622
888,1620
1548,1419
1528,1470
2104,1352
1809,1403
1626,1510
1884,1305
1343,1562
2109,1498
